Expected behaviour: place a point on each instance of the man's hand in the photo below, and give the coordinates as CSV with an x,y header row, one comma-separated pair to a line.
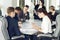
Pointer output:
x,y
20,24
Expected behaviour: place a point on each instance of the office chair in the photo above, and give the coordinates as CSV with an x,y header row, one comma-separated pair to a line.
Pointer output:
x,y
3,30
55,35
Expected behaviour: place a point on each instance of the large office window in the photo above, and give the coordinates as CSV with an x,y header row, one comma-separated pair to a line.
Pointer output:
x,y
35,1
21,3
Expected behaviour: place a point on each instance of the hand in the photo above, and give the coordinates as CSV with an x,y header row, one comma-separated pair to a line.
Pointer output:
x,y
20,24
21,19
34,25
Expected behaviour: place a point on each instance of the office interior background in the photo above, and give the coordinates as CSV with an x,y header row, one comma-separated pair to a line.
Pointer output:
x,y
6,3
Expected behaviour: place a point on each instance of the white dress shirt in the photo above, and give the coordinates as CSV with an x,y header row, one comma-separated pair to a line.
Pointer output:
x,y
46,25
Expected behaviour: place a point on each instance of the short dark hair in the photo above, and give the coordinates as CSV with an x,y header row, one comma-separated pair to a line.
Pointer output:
x,y
52,7
42,10
10,9
26,6
18,8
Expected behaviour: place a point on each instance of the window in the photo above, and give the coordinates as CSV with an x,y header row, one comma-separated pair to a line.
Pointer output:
x,y
21,3
35,1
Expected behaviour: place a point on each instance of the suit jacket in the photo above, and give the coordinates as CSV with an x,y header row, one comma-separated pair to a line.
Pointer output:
x,y
13,28
17,16
36,17
52,17
24,16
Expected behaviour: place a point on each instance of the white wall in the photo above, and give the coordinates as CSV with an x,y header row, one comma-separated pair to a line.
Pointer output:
x,y
57,4
46,3
6,4
54,3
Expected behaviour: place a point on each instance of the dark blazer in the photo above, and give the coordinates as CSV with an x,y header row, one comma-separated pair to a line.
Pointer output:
x,y
36,17
27,16
17,16
24,16
53,17
13,28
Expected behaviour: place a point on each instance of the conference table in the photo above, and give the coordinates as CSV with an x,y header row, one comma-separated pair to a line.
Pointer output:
x,y
27,27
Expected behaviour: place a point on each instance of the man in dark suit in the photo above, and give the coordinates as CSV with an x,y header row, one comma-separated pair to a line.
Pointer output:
x,y
52,14
13,28
24,13
17,13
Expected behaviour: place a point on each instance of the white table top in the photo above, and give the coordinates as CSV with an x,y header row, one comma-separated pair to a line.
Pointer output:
x,y
27,27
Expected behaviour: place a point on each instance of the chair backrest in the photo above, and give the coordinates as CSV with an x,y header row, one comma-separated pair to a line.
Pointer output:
x,y
3,29
1,35
57,31
0,12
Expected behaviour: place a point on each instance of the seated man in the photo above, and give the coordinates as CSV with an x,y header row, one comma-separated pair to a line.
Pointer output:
x,y
52,15
17,13
13,28
25,14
